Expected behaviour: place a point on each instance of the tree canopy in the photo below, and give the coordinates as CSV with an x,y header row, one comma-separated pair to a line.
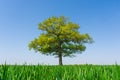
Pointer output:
x,y
60,37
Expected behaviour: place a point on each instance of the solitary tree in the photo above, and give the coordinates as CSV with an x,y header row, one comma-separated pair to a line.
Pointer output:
x,y
60,37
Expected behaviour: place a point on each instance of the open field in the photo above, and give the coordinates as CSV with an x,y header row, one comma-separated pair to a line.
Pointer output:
x,y
66,72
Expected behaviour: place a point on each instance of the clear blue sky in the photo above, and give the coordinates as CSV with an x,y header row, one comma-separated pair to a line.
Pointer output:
x,y
19,25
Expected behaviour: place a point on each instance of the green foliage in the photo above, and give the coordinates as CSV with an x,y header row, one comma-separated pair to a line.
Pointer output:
x,y
59,34
66,72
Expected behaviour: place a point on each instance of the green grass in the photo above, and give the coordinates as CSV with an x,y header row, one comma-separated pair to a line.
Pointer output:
x,y
66,72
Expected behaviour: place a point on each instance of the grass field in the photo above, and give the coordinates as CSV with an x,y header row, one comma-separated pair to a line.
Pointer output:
x,y
66,72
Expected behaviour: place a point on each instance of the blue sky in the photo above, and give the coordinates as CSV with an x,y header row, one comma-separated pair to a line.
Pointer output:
x,y
19,21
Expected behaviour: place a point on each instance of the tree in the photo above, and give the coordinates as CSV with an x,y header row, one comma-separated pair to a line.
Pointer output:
x,y
60,37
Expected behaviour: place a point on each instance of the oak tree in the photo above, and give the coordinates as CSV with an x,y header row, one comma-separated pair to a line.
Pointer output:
x,y
60,37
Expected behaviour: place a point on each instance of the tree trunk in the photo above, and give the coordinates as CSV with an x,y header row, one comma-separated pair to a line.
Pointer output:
x,y
60,58
60,51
